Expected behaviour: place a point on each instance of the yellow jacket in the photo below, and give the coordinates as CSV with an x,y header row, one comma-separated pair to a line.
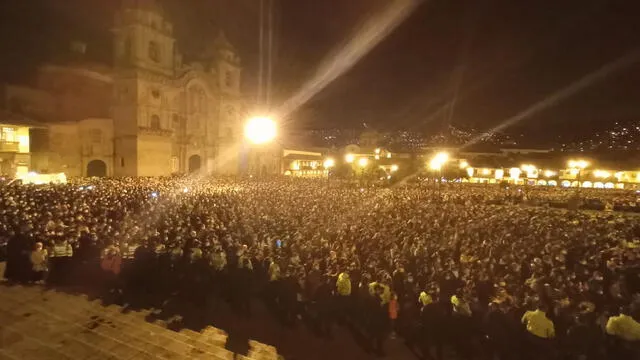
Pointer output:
x,y
624,327
343,284
538,324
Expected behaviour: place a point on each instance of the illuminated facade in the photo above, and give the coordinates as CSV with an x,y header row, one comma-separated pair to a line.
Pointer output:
x,y
15,157
147,115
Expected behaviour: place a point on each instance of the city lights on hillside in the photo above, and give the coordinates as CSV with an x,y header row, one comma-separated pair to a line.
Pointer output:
x,y
260,130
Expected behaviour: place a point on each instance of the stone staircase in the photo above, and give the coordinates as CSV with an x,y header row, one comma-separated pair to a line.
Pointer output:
x,y
36,323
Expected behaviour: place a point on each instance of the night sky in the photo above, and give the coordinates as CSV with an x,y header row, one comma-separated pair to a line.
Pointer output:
x,y
503,56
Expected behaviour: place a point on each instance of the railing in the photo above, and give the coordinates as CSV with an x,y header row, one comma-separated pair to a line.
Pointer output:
x,y
9,146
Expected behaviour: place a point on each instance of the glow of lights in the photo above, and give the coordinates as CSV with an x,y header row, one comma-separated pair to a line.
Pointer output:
x,y
470,171
464,165
486,171
499,174
329,163
295,165
185,190
154,194
603,174
362,162
578,164
549,173
260,130
377,157
314,165
388,155
394,168
587,184
438,161
514,173
349,158
574,172
378,151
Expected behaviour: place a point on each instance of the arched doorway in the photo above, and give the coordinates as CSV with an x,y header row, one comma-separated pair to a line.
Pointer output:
x,y
96,168
194,163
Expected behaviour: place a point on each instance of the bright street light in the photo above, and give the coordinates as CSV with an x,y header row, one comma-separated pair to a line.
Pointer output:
x,y
260,130
362,162
438,161
464,164
394,168
329,163
349,158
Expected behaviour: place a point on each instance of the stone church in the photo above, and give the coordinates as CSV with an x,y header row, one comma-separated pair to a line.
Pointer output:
x,y
147,114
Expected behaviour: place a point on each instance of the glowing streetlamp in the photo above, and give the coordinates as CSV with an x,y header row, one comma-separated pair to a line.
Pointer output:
x,y
394,168
349,158
438,161
464,164
329,163
260,130
362,162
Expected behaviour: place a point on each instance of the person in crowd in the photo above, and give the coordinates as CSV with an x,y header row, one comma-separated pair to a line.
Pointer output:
x,y
39,260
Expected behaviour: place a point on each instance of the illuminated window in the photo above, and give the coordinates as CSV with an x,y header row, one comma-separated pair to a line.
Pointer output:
x,y
154,51
8,134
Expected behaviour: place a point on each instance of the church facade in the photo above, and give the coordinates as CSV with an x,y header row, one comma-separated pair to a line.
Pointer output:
x,y
148,114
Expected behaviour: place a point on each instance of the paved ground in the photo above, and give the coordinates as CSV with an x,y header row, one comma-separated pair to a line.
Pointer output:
x,y
51,325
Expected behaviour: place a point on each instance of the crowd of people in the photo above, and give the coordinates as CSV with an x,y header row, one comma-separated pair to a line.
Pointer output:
x,y
480,270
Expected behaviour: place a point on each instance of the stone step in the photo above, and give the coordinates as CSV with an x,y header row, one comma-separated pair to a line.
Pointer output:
x,y
16,344
114,347
117,334
210,340
53,334
214,346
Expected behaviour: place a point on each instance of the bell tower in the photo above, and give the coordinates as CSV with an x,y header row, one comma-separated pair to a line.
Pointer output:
x,y
143,39
227,64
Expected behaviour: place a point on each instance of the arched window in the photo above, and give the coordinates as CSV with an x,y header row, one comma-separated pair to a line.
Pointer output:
x,y
154,51
155,122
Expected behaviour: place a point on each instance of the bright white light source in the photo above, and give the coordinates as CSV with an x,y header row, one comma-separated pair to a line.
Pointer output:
x,y
260,130
185,190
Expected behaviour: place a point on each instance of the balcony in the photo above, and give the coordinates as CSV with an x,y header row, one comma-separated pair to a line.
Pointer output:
x,y
9,146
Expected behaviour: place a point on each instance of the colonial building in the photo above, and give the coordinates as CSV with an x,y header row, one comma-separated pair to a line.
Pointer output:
x,y
149,114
